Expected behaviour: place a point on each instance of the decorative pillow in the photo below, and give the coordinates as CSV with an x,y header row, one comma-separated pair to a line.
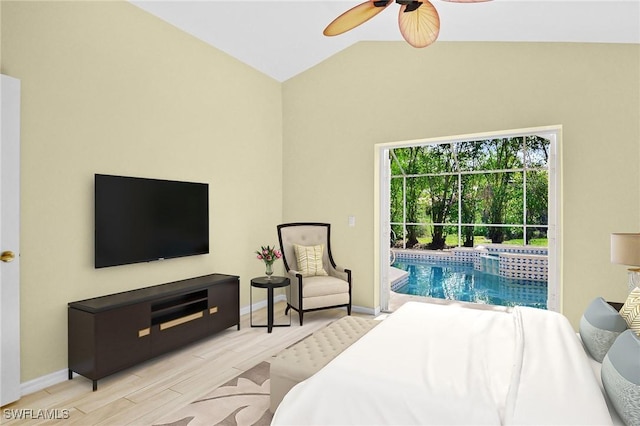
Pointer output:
x,y
621,377
310,260
630,311
599,326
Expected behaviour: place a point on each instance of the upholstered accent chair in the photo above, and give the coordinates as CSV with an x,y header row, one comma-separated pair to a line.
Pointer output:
x,y
316,282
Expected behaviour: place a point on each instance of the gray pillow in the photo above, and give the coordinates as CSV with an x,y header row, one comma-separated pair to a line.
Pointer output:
x,y
600,325
621,376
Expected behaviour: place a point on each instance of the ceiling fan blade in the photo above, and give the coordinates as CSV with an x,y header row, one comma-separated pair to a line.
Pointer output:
x,y
354,17
421,26
466,1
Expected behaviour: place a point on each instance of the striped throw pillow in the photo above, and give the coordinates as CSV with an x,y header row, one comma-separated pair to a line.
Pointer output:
x,y
310,260
630,311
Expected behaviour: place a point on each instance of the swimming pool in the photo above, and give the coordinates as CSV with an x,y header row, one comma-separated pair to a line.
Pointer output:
x,y
464,283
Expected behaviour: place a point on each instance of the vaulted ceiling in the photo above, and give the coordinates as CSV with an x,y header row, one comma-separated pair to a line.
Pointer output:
x,y
284,38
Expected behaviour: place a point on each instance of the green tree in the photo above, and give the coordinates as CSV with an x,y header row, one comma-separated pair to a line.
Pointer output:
x,y
470,186
537,157
442,191
501,154
431,177
468,156
410,161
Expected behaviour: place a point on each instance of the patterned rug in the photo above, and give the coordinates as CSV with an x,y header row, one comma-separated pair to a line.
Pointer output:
x,y
242,401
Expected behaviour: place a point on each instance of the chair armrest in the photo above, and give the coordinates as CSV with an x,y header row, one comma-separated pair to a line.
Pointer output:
x,y
295,290
295,276
343,270
342,273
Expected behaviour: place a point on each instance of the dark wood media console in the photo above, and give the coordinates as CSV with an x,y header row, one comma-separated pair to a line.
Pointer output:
x,y
114,332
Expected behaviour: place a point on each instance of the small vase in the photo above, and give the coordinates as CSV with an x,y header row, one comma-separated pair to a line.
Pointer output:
x,y
269,270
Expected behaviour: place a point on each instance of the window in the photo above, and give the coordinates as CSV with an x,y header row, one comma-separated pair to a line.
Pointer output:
x,y
465,193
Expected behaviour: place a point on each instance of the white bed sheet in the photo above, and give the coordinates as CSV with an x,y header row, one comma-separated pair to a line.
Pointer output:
x,y
438,364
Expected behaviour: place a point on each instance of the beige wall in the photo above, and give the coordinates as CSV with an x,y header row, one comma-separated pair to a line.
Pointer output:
x,y
376,92
107,88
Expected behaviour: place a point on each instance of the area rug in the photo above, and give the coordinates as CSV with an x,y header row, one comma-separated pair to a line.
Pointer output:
x,y
242,401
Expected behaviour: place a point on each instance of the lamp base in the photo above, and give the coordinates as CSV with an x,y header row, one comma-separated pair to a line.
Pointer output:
x,y
634,278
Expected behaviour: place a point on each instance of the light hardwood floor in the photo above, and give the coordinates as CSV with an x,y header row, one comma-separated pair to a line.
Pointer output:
x,y
143,394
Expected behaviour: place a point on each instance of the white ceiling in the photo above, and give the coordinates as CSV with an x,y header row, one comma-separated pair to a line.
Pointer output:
x,y
284,38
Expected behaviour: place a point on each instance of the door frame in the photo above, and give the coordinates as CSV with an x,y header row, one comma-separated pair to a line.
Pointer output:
x,y
382,226
10,239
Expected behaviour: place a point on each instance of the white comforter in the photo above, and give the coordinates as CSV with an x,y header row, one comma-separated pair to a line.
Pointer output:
x,y
435,364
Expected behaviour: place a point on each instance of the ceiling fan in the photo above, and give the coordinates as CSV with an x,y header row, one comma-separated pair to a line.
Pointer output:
x,y
418,20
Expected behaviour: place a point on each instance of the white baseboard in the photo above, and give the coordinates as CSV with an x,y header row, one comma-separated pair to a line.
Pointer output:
x,y
44,382
262,304
283,298
364,310
56,377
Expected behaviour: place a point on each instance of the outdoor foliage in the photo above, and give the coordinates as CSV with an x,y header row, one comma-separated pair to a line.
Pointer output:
x,y
440,191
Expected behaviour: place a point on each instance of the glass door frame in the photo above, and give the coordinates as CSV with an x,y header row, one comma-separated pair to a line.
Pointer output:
x,y
382,227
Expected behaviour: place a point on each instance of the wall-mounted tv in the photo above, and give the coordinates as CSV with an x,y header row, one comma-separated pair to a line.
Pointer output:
x,y
141,220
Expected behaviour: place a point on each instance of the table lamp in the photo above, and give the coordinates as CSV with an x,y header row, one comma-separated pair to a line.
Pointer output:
x,y
625,250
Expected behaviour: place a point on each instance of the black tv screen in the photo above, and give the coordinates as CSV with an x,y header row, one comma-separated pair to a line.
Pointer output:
x,y
141,220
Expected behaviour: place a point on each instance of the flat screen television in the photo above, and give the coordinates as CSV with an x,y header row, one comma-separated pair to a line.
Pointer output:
x,y
142,220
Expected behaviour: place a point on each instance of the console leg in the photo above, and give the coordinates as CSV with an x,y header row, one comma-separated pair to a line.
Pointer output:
x,y
95,385
70,374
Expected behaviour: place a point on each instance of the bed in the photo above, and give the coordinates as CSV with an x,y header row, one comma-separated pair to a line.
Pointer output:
x,y
455,364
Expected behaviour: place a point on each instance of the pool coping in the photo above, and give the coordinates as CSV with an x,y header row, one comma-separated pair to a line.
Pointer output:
x,y
397,277
517,262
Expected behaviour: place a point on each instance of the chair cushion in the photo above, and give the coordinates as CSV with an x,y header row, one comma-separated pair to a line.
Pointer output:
x,y
323,286
319,302
600,325
630,311
621,376
309,260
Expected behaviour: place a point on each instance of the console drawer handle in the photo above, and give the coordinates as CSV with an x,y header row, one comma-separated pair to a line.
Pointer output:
x,y
213,310
144,332
182,320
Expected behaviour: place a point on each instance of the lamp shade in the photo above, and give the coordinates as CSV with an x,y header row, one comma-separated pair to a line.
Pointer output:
x,y
625,249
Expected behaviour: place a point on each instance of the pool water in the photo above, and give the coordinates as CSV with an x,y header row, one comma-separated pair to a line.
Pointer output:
x,y
463,283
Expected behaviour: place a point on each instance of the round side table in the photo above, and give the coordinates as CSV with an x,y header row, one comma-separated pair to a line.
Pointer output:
x,y
269,284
